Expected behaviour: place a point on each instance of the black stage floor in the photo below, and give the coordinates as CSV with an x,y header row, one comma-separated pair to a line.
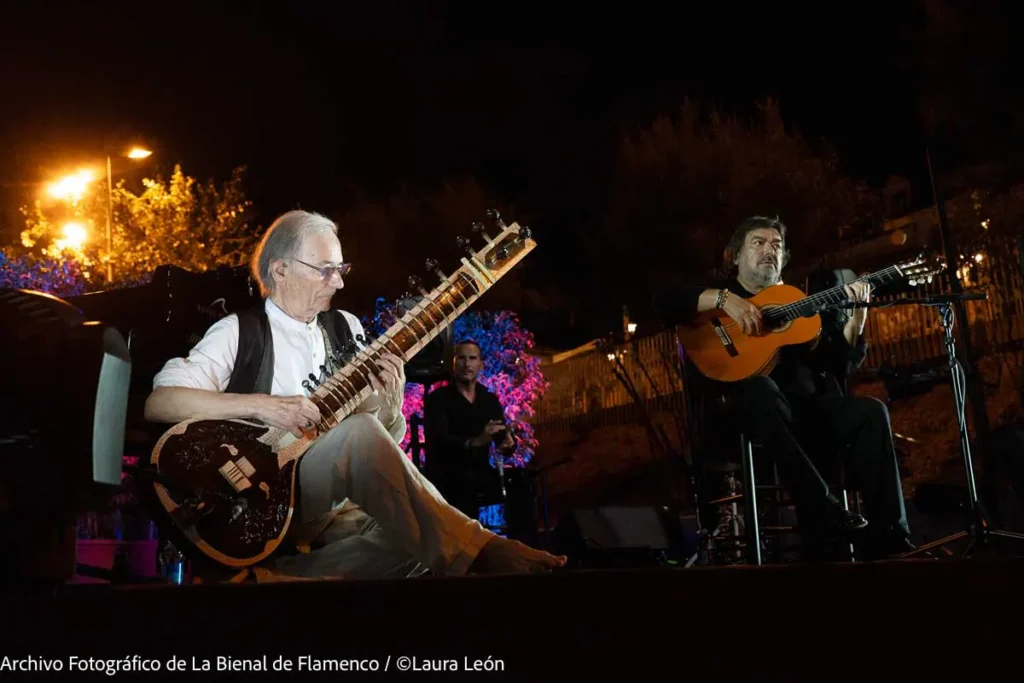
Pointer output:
x,y
826,622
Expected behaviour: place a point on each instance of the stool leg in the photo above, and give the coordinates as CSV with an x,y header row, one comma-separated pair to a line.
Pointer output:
x,y
750,498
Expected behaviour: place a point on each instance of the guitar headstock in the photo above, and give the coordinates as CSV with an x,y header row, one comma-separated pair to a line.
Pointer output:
x,y
921,270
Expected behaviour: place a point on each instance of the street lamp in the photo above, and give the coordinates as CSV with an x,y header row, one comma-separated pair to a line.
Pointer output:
x,y
71,187
133,153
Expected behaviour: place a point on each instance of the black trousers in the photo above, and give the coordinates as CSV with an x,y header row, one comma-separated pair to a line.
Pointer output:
x,y
807,435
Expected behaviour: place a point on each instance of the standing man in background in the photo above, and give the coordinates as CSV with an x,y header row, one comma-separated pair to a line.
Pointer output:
x,y
461,421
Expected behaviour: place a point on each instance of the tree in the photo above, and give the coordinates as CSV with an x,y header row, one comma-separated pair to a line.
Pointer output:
x,y
177,221
43,274
683,185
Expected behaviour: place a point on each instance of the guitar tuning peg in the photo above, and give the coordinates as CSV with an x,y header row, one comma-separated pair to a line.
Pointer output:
x,y
525,233
464,243
496,217
415,283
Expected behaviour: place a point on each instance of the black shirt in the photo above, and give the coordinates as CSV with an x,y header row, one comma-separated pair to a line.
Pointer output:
x,y
449,421
818,368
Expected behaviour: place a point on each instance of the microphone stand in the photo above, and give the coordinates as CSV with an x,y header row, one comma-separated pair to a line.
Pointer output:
x,y
978,530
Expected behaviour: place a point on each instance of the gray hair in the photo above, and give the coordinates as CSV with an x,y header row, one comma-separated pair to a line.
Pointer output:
x,y
282,241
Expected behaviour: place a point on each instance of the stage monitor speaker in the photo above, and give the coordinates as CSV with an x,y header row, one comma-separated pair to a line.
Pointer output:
x,y
62,428
613,536
432,363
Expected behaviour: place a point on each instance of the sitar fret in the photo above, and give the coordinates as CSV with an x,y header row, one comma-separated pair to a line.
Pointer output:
x,y
349,386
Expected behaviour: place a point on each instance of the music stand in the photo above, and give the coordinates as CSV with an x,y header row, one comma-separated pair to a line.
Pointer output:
x,y
978,529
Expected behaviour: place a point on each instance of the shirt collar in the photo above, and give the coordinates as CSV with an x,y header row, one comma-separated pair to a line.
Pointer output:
x,y
274,311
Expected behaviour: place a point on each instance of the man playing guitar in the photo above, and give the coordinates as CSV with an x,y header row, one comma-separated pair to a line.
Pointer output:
x,y
802,401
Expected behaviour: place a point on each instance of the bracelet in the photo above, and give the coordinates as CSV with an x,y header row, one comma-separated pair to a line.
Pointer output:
x,y
723,294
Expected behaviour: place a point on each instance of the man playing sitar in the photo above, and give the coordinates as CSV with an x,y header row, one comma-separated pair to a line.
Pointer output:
x,y
795,397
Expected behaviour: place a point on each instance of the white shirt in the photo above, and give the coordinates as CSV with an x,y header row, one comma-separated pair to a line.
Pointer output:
x,y
298,352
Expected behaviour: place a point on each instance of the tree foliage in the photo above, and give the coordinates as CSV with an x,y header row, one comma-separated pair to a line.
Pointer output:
x,y
175,221
43,274
682,185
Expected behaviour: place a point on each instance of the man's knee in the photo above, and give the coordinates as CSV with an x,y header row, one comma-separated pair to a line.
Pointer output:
x,y
365,425
368,436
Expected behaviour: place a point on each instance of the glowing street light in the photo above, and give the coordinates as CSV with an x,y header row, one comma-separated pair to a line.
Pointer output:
x,y
133,153
75,235
71,187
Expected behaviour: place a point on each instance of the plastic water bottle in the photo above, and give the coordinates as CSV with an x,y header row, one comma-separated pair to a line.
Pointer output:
x,y
172,564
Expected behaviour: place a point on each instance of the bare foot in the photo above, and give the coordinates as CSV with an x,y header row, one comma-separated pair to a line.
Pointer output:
x,y
504,556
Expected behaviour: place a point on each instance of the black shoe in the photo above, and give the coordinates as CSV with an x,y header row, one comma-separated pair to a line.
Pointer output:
x,y
845,520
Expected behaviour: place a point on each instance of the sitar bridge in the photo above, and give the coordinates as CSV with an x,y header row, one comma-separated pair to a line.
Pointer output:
x,y
237,472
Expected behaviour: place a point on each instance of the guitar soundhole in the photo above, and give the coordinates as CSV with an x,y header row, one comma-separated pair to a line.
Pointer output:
x,y
778,326
211,461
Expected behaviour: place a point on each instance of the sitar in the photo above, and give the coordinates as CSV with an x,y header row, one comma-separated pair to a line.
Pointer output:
x,y
228,486
720,350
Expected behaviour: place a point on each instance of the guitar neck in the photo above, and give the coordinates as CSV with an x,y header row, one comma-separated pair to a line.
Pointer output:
x,y
833,295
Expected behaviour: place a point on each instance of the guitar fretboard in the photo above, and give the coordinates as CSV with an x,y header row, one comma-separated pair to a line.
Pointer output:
x,y
810,304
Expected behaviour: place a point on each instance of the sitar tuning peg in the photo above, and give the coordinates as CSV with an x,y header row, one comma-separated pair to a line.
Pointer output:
x,y
496,217
479,228
432,267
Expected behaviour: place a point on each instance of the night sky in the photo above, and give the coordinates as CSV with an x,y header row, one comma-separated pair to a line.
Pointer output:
x,y
319,99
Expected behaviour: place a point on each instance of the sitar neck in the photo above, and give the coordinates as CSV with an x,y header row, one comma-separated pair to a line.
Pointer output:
x,y
346,389
341,393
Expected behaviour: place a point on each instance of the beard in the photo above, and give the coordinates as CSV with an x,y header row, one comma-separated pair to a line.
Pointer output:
x,y
766,274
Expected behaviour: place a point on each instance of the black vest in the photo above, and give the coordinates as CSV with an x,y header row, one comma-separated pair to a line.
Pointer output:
x,y
254,363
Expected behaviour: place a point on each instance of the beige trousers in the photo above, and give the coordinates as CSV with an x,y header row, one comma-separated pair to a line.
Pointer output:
x,y
367,512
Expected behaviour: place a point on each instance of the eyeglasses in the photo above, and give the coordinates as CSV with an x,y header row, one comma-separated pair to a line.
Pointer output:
x,y
327,271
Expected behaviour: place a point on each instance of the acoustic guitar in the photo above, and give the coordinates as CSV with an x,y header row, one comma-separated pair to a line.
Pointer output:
x,y
228,486
722,352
